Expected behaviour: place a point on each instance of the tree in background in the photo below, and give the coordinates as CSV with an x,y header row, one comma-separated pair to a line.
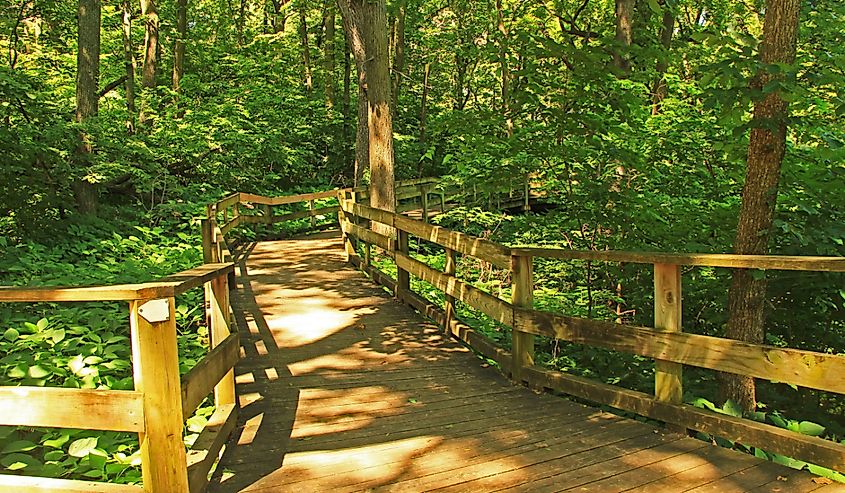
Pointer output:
x,y
766,149
87,99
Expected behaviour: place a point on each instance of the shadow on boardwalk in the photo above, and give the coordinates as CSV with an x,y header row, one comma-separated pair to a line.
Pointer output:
x,y
343,389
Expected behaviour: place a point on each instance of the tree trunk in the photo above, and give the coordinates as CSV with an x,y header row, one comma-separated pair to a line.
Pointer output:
x,y
352,24
148,76
306,51
624,34
503,62
87,98
661,90
347,88
366,22
179,47
398,54
379,121
424,102
279,19
766,149
328,56
241,22
129,65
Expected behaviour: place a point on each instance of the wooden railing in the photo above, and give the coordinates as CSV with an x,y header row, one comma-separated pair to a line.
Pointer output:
x,y
415,194
666,343
161,401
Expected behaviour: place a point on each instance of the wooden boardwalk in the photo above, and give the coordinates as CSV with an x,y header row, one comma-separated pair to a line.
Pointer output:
x,y
344,389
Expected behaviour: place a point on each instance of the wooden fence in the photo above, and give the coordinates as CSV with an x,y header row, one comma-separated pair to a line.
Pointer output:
x,y
161,401
666,343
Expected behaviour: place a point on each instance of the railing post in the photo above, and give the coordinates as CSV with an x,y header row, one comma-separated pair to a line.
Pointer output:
x,y
313,220
403,278
668,377
522,343
450,269
207,230
348,249
155,362
424,202
217,293
526,206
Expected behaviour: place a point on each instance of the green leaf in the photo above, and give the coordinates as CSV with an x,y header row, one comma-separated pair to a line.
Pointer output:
x,y
42,324
16,462
17,371
732,408
38,371
19,446
57,442
11,334
654,6
82,447
810,428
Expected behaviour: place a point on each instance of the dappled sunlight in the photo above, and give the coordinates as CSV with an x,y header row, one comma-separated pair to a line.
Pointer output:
x,y
308,326
341,468
322,412
351,358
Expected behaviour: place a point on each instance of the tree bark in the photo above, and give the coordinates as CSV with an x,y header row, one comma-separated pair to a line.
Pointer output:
x,y
347,86
398,54
503,62
241,22
151,50
367,20
624,34
179,46
661,90
355,40
306,50
380,120
328,56
766,149
129,65
87,98
424,102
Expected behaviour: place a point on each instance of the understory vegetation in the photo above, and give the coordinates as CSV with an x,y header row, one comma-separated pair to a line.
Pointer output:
x,y
638,141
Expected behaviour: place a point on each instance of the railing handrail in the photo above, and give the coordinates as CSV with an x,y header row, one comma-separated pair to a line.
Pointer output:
x,y
172,285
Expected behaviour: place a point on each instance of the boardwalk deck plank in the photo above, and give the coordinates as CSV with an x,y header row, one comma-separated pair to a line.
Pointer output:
x,y
342,388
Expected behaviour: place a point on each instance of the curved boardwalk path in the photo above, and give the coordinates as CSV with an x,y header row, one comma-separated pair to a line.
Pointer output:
x,y
344,389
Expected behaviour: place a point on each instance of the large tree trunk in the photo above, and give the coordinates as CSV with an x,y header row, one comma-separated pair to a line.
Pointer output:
x,y
766,149
661,90
379,121
87,97
179,44
398,53
366,21
129,65
151,50
306,50
328,56
624,34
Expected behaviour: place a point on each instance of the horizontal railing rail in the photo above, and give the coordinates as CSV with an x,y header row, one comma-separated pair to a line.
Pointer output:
x,y
666,343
